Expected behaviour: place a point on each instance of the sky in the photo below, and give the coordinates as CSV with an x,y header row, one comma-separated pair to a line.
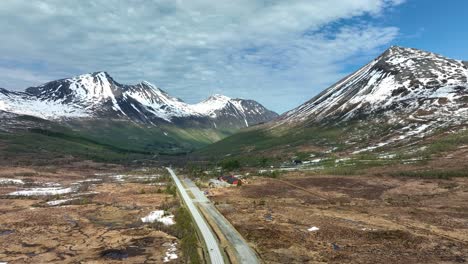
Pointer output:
x,y
280,53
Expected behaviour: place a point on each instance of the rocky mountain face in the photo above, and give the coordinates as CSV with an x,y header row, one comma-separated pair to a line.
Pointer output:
x,y
97,95
414,91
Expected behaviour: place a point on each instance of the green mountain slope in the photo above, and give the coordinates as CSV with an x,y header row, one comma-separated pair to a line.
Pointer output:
x,y
26,137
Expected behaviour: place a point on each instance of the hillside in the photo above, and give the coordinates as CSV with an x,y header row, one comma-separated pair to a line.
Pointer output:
x,y
403,99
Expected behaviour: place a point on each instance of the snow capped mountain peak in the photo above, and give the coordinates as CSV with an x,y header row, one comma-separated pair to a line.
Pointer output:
x,y
212,104
97,86
418,90
86,89
98,95
218,97
393,79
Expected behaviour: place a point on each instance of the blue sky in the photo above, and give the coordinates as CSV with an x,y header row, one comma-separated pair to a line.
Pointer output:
x,y
280,53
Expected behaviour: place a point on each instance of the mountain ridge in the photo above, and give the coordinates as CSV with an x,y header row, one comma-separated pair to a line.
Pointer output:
x,y
99,95
397,76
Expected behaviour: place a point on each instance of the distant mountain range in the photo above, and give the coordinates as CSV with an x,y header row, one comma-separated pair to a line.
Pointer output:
x,y
401,97
97,95
92,116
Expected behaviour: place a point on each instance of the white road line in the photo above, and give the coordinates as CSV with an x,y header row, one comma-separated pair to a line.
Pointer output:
x,y
211,243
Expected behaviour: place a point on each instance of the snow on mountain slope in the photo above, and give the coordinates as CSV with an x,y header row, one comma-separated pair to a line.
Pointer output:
x,y
413,91
87,91
25,104
211,105
402,80
98,95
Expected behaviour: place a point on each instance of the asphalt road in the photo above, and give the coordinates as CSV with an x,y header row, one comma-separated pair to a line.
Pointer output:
x,y
244,253
211,243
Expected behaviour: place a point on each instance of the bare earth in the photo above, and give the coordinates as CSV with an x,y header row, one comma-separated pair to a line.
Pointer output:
x,y
100,225
360,219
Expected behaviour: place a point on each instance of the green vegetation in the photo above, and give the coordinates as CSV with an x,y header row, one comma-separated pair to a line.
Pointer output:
x,y
101,140
230,164
45,147
261,146
162,139
448,142
271,174
260,139
171,189
185,231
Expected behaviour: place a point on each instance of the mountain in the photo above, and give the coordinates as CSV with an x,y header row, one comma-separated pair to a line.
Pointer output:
x,y
97,95
93,111
401,98
402,81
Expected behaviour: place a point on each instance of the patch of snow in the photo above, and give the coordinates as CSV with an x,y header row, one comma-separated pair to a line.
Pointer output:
x,y
368,229
387,156
342,159
42,191
313,229
59,202
84,194
88,180
5,181
24,104
159,217
119,177
51,184
171,253
211,105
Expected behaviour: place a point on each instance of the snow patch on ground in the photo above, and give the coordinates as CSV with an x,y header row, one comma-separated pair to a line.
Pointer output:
x,y
88,181
119,178
313,229
42,191
59,202
159,217
171,253
4,181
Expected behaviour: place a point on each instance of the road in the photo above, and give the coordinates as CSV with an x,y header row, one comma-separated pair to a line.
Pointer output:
x,y
211,243
244,253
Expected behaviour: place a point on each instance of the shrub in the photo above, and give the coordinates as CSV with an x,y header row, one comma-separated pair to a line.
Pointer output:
x,y
230,164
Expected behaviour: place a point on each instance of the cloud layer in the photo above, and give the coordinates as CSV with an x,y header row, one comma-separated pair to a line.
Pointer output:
x,y
280,53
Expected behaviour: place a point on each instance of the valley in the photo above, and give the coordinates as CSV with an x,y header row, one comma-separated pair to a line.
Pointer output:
x,y
371,170
233,132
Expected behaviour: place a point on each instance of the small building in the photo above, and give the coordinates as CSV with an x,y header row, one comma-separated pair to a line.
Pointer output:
x,y
230,179
225,181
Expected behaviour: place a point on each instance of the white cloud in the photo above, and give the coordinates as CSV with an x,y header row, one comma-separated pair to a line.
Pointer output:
x,y
248,48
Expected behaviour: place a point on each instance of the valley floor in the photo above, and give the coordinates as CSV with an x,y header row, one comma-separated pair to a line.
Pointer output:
x,y
300,218
81,214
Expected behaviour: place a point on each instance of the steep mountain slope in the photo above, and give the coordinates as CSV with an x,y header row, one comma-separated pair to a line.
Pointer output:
x,y
399,99
400,81
97,95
